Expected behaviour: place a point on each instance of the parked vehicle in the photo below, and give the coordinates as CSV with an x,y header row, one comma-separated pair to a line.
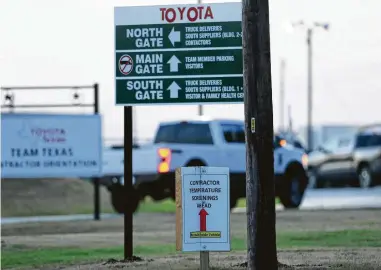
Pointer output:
x,y
201,143
321,134
355,160
292,139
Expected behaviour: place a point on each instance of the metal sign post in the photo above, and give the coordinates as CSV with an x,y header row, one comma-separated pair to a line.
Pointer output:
x,y
204,260
128,214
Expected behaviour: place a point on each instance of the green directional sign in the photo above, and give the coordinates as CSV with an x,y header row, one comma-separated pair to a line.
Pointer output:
x,y
167,63
191,35
182,54
180,90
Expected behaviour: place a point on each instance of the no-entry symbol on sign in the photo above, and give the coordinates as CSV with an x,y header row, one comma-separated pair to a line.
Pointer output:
x,y
126,64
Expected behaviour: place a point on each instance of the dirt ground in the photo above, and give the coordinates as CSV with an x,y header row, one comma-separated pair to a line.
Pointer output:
x,y
160,229
304,259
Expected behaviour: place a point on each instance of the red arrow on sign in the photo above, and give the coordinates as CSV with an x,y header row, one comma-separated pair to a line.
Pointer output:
x,y
203,215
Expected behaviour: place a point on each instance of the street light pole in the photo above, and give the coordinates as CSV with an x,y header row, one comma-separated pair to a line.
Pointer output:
x,y
309,91
281,95
200,110
309,78
290,125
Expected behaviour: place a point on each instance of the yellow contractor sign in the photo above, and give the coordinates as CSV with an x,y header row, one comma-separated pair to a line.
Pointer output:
x,y
202,209
205,235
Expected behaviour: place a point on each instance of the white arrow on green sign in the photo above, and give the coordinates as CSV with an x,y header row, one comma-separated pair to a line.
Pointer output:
x,y
174,64
174,90
174,36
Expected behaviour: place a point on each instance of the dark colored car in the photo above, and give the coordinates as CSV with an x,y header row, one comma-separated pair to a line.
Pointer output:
x,y
355,160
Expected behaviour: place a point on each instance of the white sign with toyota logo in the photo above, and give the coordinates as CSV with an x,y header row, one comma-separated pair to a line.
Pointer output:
x,y
50,145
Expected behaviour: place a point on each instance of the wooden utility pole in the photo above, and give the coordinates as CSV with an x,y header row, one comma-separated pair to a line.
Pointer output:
x,y
259,130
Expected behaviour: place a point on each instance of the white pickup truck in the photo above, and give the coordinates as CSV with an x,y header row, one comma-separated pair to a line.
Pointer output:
x,y
200,143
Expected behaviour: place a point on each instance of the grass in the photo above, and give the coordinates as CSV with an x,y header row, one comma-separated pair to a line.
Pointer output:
x,y
146,206
150,206
242,202
18,256
343,238
169,206
40,197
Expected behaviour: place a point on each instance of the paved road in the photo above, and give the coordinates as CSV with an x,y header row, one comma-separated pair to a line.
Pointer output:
x,y
335,198
344,198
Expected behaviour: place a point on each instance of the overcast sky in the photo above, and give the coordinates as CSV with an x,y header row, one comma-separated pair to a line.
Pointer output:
x,y
50,42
